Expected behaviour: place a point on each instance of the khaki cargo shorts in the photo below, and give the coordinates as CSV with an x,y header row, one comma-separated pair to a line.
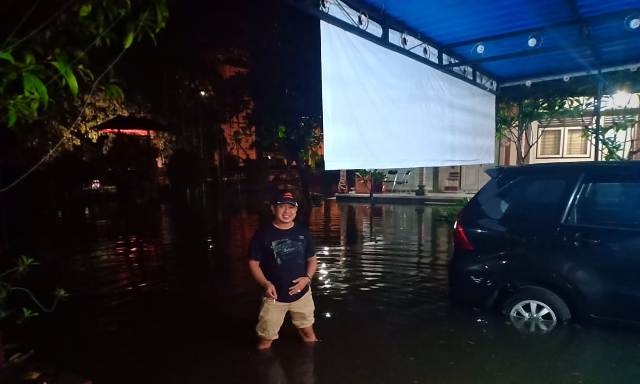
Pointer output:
x,y
272,315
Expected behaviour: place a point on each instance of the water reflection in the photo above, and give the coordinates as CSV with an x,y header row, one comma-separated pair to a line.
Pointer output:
x,y
393,255
295,366
164,295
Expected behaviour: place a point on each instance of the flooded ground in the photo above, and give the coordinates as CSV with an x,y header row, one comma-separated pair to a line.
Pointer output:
x,y
163,295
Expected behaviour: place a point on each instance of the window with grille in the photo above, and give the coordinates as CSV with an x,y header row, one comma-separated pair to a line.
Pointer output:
x,y
549,144
577,143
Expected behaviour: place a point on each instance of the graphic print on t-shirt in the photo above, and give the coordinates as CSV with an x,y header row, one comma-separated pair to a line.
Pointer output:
x,y
286,249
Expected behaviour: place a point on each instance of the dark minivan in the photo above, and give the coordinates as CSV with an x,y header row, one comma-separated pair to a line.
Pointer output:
x,y
549,242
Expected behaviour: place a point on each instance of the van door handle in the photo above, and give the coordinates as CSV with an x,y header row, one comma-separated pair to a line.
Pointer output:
x,y
581,240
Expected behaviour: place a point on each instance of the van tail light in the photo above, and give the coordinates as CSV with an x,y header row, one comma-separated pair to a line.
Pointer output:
x,y
460,239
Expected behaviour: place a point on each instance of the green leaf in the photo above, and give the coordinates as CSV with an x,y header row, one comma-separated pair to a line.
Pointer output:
x,y
128,40
60,293
85,9
7,56
29,59
162,13
32,84
25,263
12,116
27,314
85,73
65,70
115,92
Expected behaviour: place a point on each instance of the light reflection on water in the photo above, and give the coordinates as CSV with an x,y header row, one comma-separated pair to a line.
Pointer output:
x,y
388,260
173,289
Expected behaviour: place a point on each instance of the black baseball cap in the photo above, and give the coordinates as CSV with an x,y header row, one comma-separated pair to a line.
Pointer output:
x,y
285,197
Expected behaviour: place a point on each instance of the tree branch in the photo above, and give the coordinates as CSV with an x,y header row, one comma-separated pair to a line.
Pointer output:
x,y
41,26
79,116
35,301
24,18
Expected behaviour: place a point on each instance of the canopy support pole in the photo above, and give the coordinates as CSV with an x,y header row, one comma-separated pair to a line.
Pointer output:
x,y
597,113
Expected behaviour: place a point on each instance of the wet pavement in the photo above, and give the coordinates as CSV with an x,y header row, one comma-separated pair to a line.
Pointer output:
x,y
163,295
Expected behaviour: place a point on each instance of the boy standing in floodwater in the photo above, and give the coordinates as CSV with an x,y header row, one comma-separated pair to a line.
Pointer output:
x,y
282,260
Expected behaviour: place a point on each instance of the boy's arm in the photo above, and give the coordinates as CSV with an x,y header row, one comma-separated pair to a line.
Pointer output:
x,y
312,265
301,282
258,276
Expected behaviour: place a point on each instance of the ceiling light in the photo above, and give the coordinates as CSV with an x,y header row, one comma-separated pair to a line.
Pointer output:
x,y
621,99
534,40
479,48
632,22
633,69
528,83
566,78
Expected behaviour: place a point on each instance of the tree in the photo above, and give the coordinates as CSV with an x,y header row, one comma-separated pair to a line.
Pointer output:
x,y
287,95
52,61
514,120
620,113
59,59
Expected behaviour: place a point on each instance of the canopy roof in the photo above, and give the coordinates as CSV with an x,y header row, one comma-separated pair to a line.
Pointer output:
x,y
515,41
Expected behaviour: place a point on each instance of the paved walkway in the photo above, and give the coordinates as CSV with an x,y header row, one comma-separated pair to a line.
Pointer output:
x,y
405,198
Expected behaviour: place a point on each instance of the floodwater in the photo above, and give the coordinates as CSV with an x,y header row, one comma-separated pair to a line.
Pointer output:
x,y
163,295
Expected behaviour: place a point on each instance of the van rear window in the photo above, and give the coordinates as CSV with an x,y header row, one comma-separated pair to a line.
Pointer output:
x,y
528,199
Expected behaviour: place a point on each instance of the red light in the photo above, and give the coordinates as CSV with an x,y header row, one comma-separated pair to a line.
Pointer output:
x,y
129,131
460,238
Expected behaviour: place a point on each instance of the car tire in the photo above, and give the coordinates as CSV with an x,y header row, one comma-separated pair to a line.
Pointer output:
x,y
536,310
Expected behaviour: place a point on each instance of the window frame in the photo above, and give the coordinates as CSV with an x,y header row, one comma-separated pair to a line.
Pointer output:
x,y
565,145
539,143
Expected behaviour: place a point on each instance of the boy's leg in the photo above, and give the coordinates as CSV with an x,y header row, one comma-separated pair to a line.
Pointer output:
x,y
303,318
269,322
307,334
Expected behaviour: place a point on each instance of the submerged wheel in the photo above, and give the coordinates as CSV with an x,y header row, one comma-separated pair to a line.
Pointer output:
x,y
536,310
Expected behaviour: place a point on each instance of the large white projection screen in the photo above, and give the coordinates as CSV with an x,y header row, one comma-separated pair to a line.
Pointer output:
x,y
384,110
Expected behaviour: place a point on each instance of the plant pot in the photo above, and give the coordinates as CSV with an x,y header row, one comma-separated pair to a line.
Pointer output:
x,y
362,185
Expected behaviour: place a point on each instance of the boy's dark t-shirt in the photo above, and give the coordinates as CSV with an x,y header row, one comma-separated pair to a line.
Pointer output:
x,y
283,255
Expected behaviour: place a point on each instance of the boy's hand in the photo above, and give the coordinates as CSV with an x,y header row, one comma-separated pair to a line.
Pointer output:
x,y
300,283
270,291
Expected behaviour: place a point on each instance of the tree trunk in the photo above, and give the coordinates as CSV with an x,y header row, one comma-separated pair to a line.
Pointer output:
x,y
519,155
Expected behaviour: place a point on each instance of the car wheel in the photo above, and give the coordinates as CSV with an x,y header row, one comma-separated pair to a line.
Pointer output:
x,y
536,310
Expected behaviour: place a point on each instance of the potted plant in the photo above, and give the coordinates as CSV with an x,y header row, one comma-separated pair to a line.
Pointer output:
x,y
369,181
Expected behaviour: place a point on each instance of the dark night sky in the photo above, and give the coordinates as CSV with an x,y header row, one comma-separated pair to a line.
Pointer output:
x,y
279,44
272,39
